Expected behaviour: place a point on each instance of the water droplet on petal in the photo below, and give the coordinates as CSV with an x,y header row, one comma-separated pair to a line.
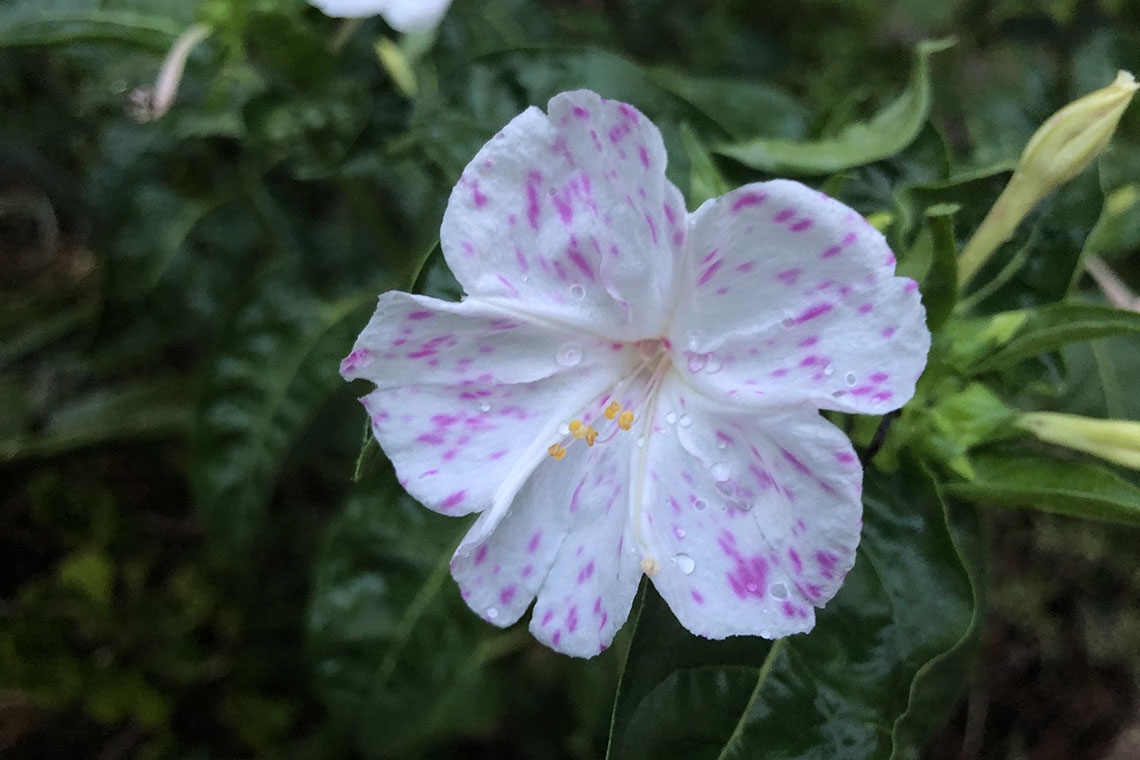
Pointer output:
x,y
492,612
679,532
850,378
720,472
722,444
829,370
525,278
685,563
685,420
569,355
484,407
578,292
693,340
789,322
838,394
671,418
640,441
752,587
713,365
696,362
778,590
699,505
564,429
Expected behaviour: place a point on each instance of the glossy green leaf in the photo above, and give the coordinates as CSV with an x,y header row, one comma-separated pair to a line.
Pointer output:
x,y
870,681
398,657
1051,327
891,130
275,368
1062,486
706,181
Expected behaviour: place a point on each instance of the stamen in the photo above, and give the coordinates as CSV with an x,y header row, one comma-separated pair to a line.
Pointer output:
x,y
577,429
556,451
612,410
625,421
650,567
591,435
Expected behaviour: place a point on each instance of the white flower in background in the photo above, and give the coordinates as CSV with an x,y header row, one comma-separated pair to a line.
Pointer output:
x,y
628,388
401,15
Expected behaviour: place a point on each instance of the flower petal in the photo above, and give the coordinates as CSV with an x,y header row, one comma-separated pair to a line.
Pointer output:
x,y
569,216
468,399
401,15
837,328
564,540
754,520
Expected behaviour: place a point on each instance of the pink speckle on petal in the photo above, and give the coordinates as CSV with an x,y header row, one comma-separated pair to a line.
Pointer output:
x,y
507,594
419,315
748,199
480,554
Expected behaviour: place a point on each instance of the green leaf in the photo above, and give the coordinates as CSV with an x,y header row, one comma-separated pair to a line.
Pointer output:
x,y
24,23
146,409
891,130
399,658
706,180
870,681
1066,487
275,368
1050,327
940,286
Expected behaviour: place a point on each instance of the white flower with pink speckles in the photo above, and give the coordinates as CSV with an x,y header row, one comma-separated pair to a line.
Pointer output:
x,y
401,15
631,389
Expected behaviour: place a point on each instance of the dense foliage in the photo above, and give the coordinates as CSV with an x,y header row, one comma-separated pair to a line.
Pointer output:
x,y
198,557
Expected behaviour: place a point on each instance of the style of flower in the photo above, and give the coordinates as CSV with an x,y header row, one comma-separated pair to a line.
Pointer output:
x,y
630,389
401,15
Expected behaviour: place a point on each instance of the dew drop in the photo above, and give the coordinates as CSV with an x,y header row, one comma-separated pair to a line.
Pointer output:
x,y
525,278
641,441
838,394
789,322
696,362
720,472
484,407
722,444
693,340
671,418
685,563
752,587
713,365
779,590
569,355
679,532
492,612
551,192
829,370
850,378
578,292
685,420
699,505
564,429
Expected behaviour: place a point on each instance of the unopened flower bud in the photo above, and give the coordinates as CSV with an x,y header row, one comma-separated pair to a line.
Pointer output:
x,y
149,103
1115,440
1058,151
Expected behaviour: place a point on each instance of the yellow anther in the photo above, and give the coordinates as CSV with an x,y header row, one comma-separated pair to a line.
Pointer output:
x,y
556,451
590,435
625,421
577,429
612,410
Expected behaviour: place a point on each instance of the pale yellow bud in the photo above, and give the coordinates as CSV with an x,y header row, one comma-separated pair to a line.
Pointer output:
x,y
149,103
1115,440
1061,149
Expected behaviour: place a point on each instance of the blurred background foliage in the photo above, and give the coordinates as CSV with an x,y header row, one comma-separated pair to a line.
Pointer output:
x,y
187,568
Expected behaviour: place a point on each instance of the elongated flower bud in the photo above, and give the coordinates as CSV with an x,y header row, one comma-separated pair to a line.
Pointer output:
x,y
1115,440
150,103
1060,150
